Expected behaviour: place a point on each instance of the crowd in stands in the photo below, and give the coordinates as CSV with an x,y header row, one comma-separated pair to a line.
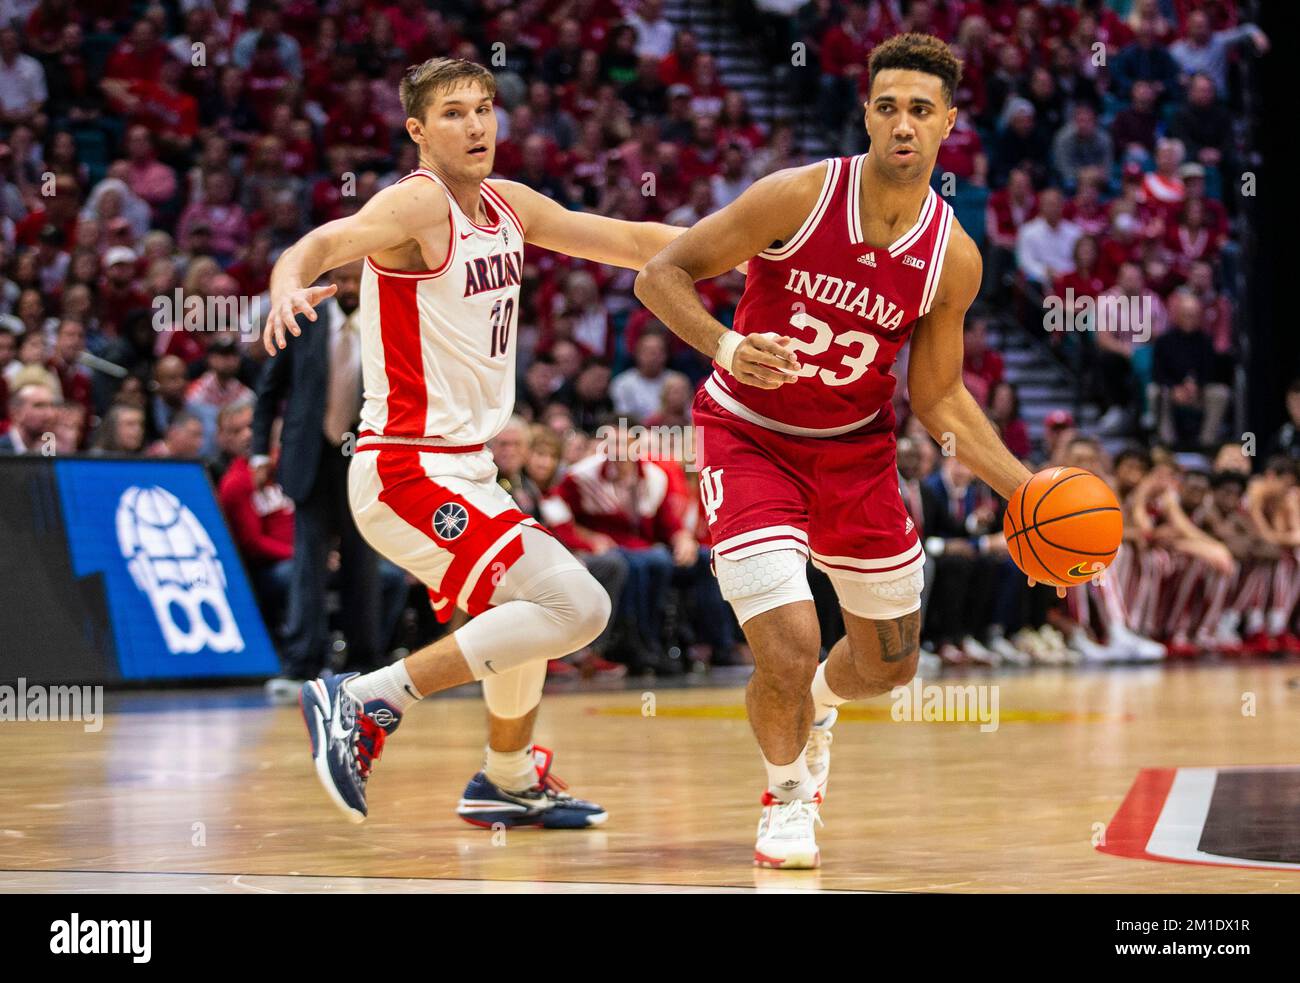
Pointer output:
x,y
159,150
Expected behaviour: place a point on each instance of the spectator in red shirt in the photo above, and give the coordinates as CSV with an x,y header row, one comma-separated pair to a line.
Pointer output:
x,y
261,519
60,210
354,125
615,500
118,294
139,56
158,104
680,63
844,52
1086,279
218,211
74,378
1192,237
982,367
148,177
1004,410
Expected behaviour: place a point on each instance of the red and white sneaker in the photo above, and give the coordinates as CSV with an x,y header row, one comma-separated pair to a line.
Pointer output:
x,y
817,752
786,834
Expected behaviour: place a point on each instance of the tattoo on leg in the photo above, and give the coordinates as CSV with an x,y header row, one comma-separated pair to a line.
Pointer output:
x,y
898,638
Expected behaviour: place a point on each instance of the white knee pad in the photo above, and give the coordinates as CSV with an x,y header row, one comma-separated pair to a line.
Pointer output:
x,y
546,606
880,600
763,581
513,694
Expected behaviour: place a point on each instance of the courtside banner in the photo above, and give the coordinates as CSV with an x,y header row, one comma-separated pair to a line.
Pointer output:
x,y
121,570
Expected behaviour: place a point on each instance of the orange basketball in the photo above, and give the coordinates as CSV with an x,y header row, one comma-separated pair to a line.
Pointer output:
x,y
1063,526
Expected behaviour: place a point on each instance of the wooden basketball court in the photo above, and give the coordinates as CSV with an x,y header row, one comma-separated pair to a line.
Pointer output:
x,y
213,792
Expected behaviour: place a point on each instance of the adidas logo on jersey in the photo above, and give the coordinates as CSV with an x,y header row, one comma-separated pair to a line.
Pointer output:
x,y
913,261
868,259
908,526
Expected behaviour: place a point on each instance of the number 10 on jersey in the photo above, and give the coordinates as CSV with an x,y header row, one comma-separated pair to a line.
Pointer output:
x,y
503,312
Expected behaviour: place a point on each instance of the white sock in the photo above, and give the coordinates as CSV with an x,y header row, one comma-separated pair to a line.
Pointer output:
x,y
824,698
1276,621
792,781
392,684
513,771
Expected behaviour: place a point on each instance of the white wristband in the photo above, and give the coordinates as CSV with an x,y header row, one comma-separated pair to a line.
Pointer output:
x,y
727,346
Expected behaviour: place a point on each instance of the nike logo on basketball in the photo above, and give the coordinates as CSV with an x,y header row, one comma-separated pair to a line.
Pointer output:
x,y
1082,570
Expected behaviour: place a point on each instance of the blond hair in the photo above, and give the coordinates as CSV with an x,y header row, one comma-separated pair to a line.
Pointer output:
x,y
437,75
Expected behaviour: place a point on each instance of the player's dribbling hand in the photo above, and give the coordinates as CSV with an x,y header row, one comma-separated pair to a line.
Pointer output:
x,y
763,360
284,311
1060,591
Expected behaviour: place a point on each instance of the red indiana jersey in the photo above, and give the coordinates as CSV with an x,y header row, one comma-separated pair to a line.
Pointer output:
x,y
849,306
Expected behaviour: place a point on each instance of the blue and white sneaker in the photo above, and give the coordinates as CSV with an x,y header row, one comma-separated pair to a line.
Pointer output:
x,y
546,804
346,738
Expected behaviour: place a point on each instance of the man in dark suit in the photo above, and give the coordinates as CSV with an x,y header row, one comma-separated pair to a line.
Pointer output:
x,y
318,380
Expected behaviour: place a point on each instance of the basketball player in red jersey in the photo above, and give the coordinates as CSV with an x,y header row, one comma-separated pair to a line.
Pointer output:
x,y
437,319
848,259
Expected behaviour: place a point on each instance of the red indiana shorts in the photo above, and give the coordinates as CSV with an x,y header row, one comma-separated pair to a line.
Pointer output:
x,y
834,498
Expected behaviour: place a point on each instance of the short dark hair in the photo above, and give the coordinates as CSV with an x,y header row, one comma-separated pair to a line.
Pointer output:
x,y
918,53
1139,454
1221,479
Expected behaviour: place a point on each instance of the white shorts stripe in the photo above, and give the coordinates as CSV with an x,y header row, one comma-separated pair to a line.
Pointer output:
x,y
744,538
729,402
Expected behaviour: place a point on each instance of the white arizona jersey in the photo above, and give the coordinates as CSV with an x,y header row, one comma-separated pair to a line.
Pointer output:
x,y
438,346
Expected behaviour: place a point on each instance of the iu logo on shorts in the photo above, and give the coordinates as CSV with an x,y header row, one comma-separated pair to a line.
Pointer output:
x,y
450,520
711,492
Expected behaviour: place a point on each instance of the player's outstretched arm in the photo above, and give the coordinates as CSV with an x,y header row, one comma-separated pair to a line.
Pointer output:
x,y
769,210
938,395
584,234
410,210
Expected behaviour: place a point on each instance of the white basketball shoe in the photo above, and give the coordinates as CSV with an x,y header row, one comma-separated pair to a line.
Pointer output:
x,y
787,837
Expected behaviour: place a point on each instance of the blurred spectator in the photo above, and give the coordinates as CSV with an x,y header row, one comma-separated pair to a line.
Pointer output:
x,y
1187,392
22,82
75,379
1045,244
1134,127
219,215
183,439
120,432
1203,124
216,388
637,392
613,500
1205,52
982,366
1287,439
31,416
1146,59
654,32
1004,410
261,517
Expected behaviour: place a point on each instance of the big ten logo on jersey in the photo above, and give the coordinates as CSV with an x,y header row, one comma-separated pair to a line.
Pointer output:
x,y
711,493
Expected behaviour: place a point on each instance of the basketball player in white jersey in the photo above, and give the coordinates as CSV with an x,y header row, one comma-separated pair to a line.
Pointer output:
x,y
444,254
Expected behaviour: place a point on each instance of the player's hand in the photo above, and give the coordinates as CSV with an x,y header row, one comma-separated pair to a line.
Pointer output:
x,y
286,308
686,551
1060,591
763,360
261,475
601,544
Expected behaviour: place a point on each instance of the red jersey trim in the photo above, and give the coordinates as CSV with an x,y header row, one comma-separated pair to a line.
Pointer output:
x,y
499,199
814,217
451,243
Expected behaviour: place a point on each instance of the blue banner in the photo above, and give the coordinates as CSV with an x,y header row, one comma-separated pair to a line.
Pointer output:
x,y
151,532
